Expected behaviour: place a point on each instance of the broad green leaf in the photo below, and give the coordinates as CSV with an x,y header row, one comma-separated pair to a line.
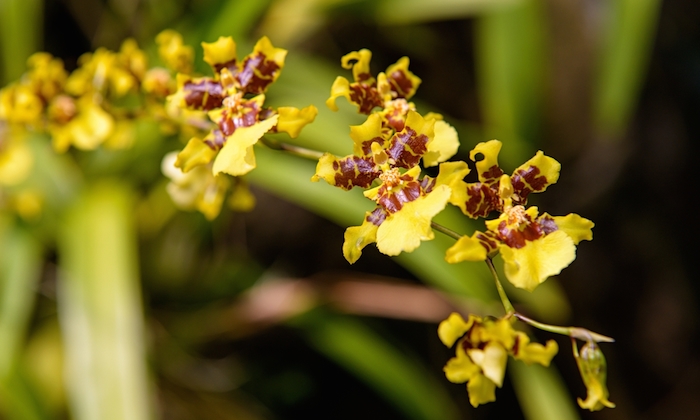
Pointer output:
x,y
394,375
542,393
623,63
20,35
99,306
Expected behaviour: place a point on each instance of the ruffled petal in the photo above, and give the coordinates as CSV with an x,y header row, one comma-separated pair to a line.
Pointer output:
x,y
467,248
404,230
403,83
453,328
194,154
292,120
577,227
357,237
408,146
236,157
220,53
481,390
534,352
443,146
366,134
532,264
460,369
340,87
535,175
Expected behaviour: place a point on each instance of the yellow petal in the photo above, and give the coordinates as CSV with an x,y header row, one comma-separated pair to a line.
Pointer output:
x,y
91,127
535,352
271,53
16,162
219,52
467,248
547,166
481,390
357,237
532,264
360,69
194,154
489,150
340,87
369,130
236,157
452,173
443,146
404,230
453,328
292,120
460,369
577,227
492,361
241,199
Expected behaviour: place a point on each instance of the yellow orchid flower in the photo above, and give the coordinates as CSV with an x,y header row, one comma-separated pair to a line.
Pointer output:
x,y
482,350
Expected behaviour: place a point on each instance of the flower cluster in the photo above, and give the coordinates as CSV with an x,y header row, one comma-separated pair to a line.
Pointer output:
x,y
231,106
388,148
482,352
95,105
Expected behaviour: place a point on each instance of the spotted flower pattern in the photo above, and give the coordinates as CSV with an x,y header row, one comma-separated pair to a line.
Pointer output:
x,y
234,101
533,246
406,203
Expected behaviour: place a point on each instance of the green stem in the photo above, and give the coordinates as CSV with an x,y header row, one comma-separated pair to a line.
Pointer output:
x,y
573,332
449,232
507,305
292,149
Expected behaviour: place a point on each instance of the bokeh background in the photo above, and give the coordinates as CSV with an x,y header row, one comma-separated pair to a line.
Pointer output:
x,y
257,315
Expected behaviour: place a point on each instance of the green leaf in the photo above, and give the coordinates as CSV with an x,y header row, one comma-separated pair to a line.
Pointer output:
x,y
623,64
509,46
542,392
364,353
99,306
20,35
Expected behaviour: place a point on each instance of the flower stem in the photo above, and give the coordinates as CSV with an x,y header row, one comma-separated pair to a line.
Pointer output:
x,y
507,305
573,332
449,232
290,148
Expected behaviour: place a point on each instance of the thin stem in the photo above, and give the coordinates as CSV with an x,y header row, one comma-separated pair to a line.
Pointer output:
x,y
573,332
449,232
507,305
290,148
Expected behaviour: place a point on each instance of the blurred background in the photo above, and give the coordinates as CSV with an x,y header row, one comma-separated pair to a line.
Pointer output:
x,y
258,316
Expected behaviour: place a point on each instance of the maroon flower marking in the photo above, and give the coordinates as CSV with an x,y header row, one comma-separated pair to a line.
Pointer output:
x,y
401,84
526,181
365,96
377,216
516,238
206,94
393,200
407,148
354,171
482,200
257,73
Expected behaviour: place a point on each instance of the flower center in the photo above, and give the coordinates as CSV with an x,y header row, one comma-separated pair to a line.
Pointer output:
x,y
516,216
391,177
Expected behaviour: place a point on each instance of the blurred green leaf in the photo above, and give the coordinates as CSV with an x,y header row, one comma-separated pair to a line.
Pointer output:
x,y
542,393
412,11
20,268
623,64
235,18
20,35
99,307
509,46
364,353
